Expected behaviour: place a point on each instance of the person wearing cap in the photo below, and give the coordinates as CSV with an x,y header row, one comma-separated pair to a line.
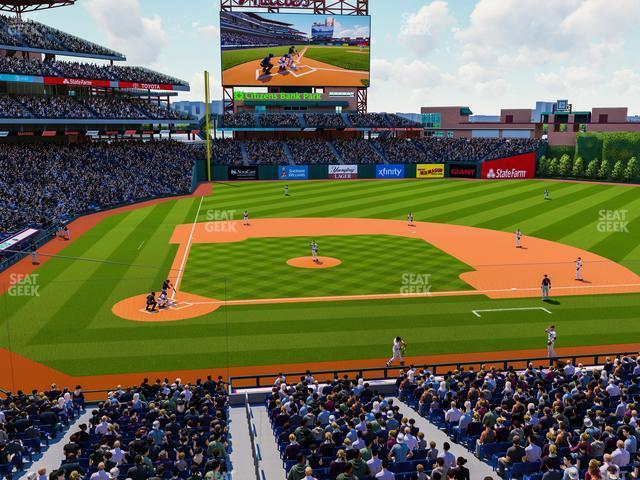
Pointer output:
x,y
570,470
392,423
101,474
399,452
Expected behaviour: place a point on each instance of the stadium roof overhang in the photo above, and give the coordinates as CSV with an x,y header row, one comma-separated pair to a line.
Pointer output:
x,y
466,111
23,6
17,48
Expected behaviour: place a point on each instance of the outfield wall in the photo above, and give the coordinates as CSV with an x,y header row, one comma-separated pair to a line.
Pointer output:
x,y
516,167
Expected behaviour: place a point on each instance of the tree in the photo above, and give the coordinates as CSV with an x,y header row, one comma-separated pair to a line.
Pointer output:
x,y
565,166
631,172
552,169
618,170
592,168
605,170
543,166
578,168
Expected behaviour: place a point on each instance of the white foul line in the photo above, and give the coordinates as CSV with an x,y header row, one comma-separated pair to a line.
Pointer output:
x,y
186,251
477,314
141,244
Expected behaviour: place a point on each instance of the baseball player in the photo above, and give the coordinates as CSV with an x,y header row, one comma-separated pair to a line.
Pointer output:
x,y
518,238
545,287
266,64
293,51
546,194
151,302
34,256
286,190
245,217
314,251
66,234
551,341
579,270
410,219
398,350
163,300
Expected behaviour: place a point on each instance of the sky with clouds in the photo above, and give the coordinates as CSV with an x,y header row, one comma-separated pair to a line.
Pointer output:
x,y
486,54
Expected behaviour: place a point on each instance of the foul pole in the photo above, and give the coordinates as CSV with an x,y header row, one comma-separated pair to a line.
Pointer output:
x,y
207,112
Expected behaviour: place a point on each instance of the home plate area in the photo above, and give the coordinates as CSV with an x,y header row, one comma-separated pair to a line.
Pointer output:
x,y
299,71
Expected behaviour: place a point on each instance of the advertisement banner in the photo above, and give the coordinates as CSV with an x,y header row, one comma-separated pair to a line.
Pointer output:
x,y
289,172
390,171
510,168
343,172
243,173
77,82
463,170
430,170
146,86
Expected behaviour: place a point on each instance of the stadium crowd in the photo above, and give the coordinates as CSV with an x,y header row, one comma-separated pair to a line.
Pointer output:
x,y
356,151
226,151
474,149
561,422
311,151
323,120
281,120
31,34
266,152
163,430
88,107
346,430
58,68
229,38
398,150
46,185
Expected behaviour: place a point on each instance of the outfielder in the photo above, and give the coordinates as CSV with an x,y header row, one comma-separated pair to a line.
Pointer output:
x,y
579,269
551,341
518,238
245,217
398,350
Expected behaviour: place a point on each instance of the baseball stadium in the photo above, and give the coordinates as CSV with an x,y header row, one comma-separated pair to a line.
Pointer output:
x,y
285,285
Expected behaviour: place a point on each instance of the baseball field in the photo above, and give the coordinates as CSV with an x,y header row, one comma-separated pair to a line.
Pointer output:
x,y
249,298
337,65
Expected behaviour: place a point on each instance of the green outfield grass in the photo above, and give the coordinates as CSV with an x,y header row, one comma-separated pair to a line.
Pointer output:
x,y
257,267
69,325
348,58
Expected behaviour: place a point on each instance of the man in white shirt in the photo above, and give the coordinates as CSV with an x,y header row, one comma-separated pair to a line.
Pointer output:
x,y
374,463
385,474
551,341
569,369
612,389
100,474
532,452
448,457
117,453
103,427
453,414
620,455
410,440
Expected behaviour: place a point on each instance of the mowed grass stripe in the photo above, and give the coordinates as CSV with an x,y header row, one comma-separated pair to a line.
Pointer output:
x,y
610,198
537,214
74,314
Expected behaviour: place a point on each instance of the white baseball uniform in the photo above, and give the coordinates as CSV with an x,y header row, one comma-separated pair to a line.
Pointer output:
x,y
578,269
551,341
518,239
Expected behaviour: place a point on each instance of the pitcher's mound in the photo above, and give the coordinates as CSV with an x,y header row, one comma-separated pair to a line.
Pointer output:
x,y
307,262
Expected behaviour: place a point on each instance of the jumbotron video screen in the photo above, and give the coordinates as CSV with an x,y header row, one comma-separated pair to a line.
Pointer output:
x,y
284,49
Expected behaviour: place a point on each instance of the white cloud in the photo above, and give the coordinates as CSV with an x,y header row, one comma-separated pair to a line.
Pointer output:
x,y
209,30
414,74
420,30
140,38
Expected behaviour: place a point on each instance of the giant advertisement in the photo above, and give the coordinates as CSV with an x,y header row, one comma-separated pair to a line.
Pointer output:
x,y
430,170
289,172
390,171
518,167
463,170
292,49
342,172
243,173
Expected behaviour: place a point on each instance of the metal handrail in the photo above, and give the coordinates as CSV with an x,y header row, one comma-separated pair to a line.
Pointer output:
x,y
588,360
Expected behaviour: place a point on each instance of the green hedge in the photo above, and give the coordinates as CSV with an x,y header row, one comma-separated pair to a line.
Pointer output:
x,y
589,146
557,151
620,146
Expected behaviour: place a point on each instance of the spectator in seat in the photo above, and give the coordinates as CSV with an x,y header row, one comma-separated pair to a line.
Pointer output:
x,y
347,474
515,454
384,473
297,472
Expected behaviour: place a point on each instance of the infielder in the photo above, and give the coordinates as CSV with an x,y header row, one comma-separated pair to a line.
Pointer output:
x,y
545,287
551,341
579,269
245,217
518,238
398,351
410,219
314,251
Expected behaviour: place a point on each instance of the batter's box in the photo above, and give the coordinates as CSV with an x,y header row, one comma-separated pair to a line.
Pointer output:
x,y
181,306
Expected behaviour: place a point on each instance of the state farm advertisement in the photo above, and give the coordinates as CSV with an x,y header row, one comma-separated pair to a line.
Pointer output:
x,y
76,82
510,168
343,172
